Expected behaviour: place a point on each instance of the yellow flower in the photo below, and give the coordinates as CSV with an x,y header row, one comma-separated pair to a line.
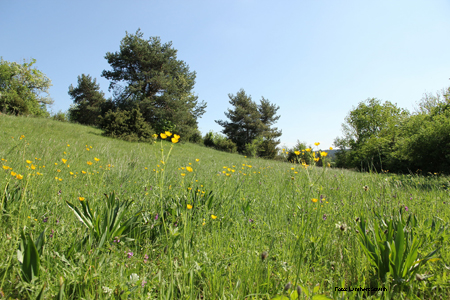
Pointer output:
x,y
189,169
197,160
174,140
63,160
13,173
168,133
5,167
28,161
323,154
163,136
33,167
331,148
96,159
87,149
68,145
308,150
58,170
317,144
155,135
176,136
89,162
60,179
314,200
83,172
19,176
182,174
189,206
81,198
71,173
292,168
316,159
213,217
297,152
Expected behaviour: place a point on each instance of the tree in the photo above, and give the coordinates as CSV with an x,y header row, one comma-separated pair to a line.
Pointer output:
x,y
88,101
23,89
370,131
248,121
148,73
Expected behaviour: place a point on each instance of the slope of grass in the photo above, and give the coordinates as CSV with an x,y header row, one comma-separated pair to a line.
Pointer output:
x,y
211,225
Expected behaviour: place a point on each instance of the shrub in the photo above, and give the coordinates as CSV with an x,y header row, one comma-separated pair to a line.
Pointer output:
x,y
226,145
60,116
126,125
196,138
252,149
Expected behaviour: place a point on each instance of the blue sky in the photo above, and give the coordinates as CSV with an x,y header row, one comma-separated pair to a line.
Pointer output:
x,y
315,59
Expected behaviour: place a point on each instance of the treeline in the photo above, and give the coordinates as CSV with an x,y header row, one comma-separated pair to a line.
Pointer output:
x,y
385,138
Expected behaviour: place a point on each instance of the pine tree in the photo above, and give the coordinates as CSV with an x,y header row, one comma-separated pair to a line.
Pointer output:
x,y
147,73
88,100
249,121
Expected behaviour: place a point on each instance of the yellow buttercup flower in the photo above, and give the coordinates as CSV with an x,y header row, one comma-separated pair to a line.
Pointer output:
x,y
89,162
308,150
314,200
182,174
96,159
174,140
63,160
5,167
19,176
323,154
13,173
317,144
176,136
213,217
28,161
163,136
331,148
189,206
197,160
81,198
168,133
297,152
189,169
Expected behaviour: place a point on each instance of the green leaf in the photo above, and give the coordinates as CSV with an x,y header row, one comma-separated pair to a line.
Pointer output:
x,y
41,293
31,261
316,289
280,298
321,297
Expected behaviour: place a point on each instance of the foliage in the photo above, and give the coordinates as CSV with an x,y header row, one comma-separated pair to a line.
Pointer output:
x,y
21,89
392,246
248,121
126,125
381,137
147,73
29,255
219,142
88,101
370,131
60,116
235,227
109,224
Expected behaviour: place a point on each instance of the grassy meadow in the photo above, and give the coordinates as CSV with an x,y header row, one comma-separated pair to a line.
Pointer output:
x,y
89,217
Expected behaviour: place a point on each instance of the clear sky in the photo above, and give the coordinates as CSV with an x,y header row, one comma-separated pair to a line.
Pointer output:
x,y
316,59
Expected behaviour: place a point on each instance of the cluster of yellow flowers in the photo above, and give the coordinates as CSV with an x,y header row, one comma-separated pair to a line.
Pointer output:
x,y
167,134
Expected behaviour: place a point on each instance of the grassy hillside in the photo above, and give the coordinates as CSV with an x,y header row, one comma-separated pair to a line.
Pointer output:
x,y
200,224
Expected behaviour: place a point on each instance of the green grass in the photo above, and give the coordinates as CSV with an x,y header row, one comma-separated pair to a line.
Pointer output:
x,y
178,253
